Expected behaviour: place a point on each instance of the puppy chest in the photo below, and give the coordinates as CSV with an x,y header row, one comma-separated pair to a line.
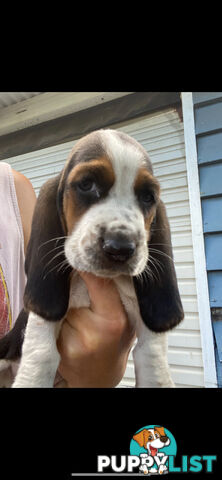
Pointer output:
x,y
79,296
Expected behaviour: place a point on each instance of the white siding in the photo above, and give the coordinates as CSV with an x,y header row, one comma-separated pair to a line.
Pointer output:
x,y
161,133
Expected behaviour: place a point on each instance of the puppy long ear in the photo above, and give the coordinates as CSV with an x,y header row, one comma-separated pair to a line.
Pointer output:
x,y
48,273
141,438
157,291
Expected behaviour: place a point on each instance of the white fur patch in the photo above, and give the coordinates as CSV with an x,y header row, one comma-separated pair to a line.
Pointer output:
x,y
150,357
40,357
126,159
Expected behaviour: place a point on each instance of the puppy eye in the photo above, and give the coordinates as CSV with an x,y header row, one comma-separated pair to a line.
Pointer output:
x,y
147,197
157,436
87,185
150,437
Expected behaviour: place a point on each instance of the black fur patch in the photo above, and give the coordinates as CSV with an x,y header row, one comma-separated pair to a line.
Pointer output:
x,y
11,343
48,279
98,176
158,295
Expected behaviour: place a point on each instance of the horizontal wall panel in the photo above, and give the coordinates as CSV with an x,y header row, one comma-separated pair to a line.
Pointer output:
x,y
200,97
180,225
165,154
209,148
212,214
213,247
161,132
187,287
215,288
172,196
181,239
183,255
210,179
175,167
130,371
190,376
189,304
190,366
166,141
179,338
174,181
208,118
187,358
178,210
190,322
185,271
154,122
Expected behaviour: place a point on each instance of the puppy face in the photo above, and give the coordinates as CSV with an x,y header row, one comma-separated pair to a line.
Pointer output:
x,y
108,202
156,440
152,438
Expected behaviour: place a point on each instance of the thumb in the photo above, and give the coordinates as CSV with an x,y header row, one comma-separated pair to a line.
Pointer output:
x,y
103,294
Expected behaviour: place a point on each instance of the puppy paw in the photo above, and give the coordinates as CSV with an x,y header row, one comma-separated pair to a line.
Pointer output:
x,y
163,469
144,469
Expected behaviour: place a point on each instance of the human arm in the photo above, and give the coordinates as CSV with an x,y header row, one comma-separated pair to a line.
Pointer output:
x,y
26,198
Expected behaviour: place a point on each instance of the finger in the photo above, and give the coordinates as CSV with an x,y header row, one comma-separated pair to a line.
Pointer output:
x,y
103,294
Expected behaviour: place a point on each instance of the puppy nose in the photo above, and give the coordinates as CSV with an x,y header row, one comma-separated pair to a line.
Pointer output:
x,y
118,249
164,439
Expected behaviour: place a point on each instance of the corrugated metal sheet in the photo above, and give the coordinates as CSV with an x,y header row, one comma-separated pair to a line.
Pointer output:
x,y
10,98
161,134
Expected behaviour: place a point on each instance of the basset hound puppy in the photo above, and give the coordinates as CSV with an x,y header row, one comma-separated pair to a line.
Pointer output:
x,y
101,214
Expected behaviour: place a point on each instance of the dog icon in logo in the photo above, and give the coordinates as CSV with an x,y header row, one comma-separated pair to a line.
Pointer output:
x,y
152,440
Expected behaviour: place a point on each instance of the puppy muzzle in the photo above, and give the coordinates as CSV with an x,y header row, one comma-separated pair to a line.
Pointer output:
x,y
107,243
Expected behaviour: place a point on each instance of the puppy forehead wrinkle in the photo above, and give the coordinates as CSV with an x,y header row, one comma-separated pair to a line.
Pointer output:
x,y
125,153
123,146
88,147
125,158
85,149
120,151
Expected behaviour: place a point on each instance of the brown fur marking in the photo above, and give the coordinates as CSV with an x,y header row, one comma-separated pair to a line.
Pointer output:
x,y
70,204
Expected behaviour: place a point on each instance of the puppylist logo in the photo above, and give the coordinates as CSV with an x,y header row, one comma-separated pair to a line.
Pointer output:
x,y
153,449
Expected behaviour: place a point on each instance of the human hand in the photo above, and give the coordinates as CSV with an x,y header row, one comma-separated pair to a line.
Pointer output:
x,y
94,343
